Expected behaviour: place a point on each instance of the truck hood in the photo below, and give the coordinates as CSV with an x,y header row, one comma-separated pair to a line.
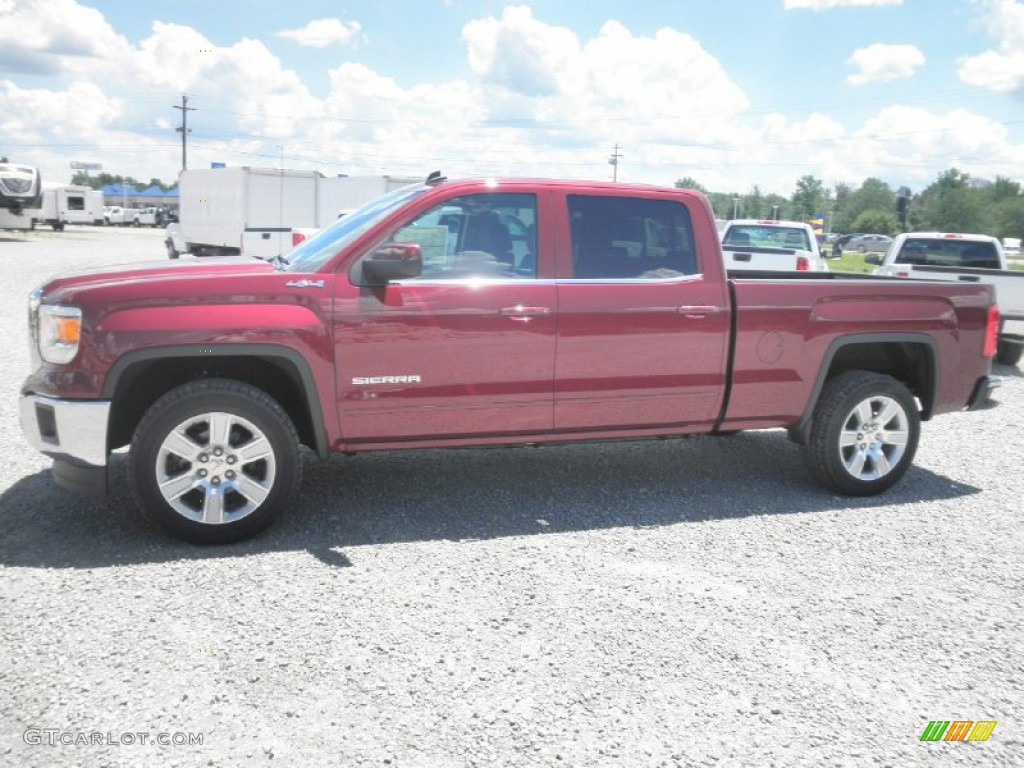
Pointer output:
x,y
62,288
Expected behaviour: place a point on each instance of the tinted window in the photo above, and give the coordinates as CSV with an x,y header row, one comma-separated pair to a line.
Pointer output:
x,y
473,236
948,252
630,238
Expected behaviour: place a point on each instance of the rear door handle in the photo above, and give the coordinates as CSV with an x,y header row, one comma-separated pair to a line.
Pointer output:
x,y
699,311
523,314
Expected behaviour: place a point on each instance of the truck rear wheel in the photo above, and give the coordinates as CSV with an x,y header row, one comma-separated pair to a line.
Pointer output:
x,y
864,433
1008,353
214,461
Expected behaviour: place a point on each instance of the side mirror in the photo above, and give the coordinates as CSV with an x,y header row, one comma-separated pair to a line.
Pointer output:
x,y
873,258
393,261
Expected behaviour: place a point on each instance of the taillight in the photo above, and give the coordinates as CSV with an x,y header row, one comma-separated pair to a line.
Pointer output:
x,y
991,333
297,237
904,273
803,264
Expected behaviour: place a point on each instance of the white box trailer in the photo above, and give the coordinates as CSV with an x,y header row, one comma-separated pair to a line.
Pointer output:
x,y
68,204
346,193
217,206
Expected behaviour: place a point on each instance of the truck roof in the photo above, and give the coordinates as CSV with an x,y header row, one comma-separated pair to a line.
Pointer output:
x,y
769,223
950,236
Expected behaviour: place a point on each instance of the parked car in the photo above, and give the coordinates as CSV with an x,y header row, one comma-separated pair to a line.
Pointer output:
x,y
868,244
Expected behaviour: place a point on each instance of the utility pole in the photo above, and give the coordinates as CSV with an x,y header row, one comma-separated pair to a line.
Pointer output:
x,y
184,130
613,161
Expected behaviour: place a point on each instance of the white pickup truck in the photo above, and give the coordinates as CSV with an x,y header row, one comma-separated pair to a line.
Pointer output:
x,y
768,245
135,217
964,258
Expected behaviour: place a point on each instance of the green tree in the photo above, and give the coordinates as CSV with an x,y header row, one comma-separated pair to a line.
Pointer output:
x,y
875,222
952,204
809,197
872,195
688,182
1009,218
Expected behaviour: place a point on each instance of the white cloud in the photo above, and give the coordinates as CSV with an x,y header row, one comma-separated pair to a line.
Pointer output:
x,y
50,36
321,33
879,62
1000,70
536,99
608,86
822,5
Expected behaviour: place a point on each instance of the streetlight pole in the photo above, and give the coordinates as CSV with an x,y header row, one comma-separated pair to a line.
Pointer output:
x,y
735,207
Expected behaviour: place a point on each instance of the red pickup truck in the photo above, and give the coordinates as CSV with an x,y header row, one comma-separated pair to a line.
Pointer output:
x,y
457,313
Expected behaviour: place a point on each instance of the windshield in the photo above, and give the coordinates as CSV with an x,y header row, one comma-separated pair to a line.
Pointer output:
x,y
318,250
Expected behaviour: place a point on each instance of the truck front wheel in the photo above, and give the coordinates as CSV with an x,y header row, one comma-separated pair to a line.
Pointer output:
x,y
864,433
214,461
172,252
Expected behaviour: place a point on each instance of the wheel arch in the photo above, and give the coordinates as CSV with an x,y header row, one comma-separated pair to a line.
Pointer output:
x,y
911,358
139,379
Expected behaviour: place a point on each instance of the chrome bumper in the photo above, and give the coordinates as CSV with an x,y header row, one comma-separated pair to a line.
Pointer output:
x,y
66,429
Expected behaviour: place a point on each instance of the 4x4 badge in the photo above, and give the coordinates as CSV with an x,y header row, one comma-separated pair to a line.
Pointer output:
x,y
305,283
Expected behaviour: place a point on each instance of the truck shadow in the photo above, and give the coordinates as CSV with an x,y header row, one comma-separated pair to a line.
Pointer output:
x,y
458,495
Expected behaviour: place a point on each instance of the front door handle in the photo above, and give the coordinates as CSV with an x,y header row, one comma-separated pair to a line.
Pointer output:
x,y
523,314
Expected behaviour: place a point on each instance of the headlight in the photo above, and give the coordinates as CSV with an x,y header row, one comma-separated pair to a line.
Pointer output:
x,y
59,331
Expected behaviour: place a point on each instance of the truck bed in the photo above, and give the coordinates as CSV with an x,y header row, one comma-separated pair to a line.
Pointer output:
x,y
785,324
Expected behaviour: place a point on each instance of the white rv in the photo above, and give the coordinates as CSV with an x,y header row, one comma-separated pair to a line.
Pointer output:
x,y
67,204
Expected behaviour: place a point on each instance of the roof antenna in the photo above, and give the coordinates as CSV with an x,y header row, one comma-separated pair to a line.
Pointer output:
x,y
436,178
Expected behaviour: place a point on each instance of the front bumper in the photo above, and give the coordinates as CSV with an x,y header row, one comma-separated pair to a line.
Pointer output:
x,y
74,434
982,397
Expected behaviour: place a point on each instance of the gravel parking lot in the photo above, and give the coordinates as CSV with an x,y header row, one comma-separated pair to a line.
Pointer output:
x,y
689,602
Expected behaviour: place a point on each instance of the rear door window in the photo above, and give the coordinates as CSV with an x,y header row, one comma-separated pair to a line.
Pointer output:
x,y
630,238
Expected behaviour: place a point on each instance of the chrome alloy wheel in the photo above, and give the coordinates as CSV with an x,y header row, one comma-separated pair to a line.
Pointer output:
x,y
215,468
874,438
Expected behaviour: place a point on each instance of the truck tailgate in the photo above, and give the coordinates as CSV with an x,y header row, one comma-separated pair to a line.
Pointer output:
x,y
1009,285
753,258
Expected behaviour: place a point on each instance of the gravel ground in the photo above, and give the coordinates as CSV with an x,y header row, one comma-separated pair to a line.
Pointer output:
x,y
693,602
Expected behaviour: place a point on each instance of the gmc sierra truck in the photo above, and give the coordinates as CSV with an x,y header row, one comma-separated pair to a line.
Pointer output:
x,y
483,312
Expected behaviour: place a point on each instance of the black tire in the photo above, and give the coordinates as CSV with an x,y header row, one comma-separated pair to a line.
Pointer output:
x,y
862,249
217,478
1009,354
172,253
855,461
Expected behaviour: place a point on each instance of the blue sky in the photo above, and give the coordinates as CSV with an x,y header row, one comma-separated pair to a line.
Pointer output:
x,y
734,93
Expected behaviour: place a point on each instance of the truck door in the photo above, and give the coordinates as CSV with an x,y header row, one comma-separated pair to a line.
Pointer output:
x,y
642,335
465,349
